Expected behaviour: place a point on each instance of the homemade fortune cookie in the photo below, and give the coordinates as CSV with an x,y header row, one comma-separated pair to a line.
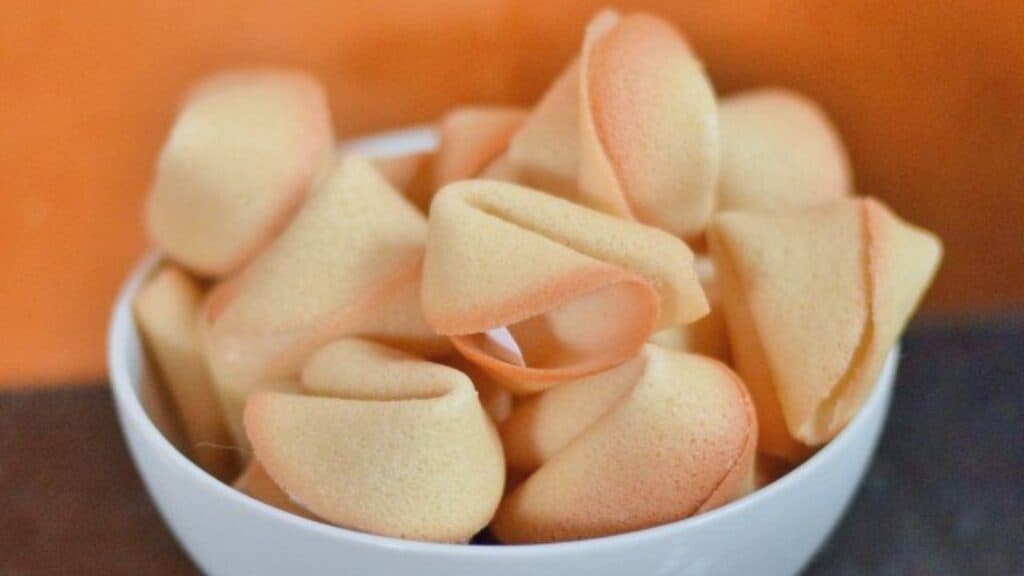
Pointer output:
x,y
579,291
240,158
708,335
543,153
778,150
649,125
349,263
256,483
410,174
166,310
672,435
496,400
385,443
542,424
470,139
814,299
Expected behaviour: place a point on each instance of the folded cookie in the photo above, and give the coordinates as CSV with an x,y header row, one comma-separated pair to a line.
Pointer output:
x,y
707,336
814,299
542,425
779,149
242,154
349,263
383,442
256,483
167,310
544,152
470,139
410,174
630,129
649,145
496,400
671,435
578,291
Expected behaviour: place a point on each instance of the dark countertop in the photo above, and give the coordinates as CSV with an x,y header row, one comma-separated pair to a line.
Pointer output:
x,y
945,494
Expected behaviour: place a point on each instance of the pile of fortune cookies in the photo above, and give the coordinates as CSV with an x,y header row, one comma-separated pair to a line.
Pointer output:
x,y
627,305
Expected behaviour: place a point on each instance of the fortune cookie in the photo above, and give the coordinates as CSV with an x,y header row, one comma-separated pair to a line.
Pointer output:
x,y
470,139
649,125
814,299
544,152
255,483
579,291
384,443
495,398
707,336
778,150
348,263
243,153
630,128
542,424
410,174
668,436
167,310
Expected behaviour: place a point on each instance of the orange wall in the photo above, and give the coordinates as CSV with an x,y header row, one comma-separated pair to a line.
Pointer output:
x,y
927,94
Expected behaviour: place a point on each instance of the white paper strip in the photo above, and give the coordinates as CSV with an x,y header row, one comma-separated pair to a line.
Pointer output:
x,y
503,339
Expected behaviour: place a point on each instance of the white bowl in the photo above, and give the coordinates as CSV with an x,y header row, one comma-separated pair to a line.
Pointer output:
x,y
774,531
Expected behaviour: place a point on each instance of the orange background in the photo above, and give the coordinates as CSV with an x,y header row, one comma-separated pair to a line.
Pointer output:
x,y
928,95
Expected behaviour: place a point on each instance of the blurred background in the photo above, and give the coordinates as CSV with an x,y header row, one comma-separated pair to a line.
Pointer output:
x,y
927,94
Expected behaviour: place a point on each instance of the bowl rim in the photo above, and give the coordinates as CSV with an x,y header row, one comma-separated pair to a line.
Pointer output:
x,y
122,329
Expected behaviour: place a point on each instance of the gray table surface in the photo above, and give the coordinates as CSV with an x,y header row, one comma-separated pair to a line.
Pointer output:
x,y
945,494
